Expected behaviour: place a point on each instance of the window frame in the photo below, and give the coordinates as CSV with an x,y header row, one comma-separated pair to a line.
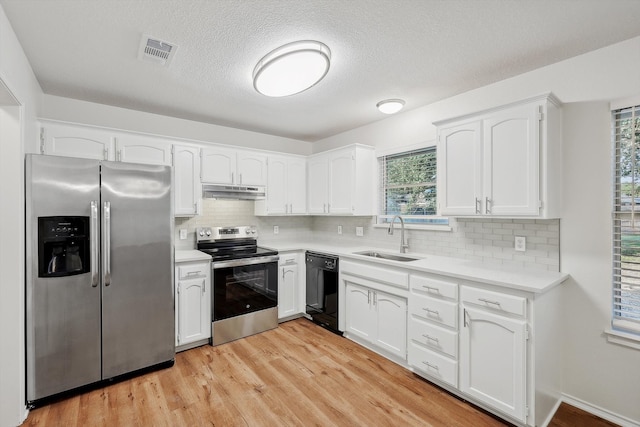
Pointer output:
x,y
381,216
624,329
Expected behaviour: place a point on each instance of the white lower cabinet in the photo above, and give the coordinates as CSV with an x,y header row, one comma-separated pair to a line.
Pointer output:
x,y
377,317
493,350
290,283
193,304
492,345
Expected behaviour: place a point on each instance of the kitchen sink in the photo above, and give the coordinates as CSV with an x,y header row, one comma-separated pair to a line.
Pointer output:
x,y
382,255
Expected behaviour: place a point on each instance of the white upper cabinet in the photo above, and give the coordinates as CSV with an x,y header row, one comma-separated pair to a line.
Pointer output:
x,y
187,187
60,139
459,169
342,181
504,162
511,159
219,165
297,185
222,165
134,148
317,184
252,168
76,141
286,187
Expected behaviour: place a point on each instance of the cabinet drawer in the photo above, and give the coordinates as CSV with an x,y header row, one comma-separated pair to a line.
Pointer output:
x,y
423,285
391,277
434,310
433,364
494,300
288,259
434,337
192,271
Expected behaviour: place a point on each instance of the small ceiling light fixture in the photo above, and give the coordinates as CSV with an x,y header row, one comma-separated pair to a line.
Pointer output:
x,y
390,106
292,68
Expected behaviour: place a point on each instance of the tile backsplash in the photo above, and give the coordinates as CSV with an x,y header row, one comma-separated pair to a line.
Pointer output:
x,y
487,240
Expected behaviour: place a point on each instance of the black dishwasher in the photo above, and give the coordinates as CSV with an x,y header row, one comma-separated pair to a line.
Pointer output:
x,y
322,289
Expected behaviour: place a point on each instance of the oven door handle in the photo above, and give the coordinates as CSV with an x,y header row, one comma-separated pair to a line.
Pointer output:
x,y
245,261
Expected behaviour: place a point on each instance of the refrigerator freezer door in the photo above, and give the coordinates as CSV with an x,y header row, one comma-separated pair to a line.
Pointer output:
x,y
63,313
137,304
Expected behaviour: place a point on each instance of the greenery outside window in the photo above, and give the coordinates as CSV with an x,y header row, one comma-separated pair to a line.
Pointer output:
x,y
408,187
626,220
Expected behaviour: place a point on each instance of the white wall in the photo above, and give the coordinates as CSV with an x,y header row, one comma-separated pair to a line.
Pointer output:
x,y
598,374
72,110
603,74
17,123
603,374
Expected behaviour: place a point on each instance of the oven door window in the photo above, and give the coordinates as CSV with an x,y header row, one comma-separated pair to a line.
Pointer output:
x,y
244,289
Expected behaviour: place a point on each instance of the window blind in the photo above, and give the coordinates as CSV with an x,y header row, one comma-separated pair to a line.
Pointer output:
x,y
626,219
408,186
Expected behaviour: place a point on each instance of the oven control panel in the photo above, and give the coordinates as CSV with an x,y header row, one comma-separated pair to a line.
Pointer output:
x,y
225,233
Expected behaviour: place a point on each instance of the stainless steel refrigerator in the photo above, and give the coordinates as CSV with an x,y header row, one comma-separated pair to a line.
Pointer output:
x,y
99,293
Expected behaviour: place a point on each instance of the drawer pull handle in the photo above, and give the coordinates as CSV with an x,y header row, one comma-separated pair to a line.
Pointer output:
x,y
487,301
433,312
431,289
431,366
430,338
193,273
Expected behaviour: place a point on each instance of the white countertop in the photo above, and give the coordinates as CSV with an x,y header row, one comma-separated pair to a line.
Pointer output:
x,y
191,255
533,281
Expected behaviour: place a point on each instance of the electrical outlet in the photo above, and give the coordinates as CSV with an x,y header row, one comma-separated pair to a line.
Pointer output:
x,y
183,234
276,229
339,229
359,231
521,243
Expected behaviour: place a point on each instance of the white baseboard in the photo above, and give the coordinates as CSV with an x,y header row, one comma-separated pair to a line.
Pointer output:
x,y
546,422
601,412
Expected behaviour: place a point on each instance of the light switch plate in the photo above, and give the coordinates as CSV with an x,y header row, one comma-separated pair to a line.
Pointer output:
x,y
339,229
520,243
359,231
276,229
183,234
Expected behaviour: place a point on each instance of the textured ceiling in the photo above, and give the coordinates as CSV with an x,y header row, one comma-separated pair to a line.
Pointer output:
x,y
418,50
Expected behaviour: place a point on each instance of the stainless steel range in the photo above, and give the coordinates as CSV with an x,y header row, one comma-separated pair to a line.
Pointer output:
x,y
245,282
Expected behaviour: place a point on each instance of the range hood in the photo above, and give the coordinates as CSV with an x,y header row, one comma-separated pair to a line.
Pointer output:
x,y
233,192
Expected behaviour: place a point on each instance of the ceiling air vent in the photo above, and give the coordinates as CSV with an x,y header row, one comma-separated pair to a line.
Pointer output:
x,y
156,51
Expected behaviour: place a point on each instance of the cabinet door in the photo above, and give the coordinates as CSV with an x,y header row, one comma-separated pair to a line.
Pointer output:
x,y
493,360
133,148
75,141
391,323
297,186
187,188
317,184
360,317
459,173
194,319
252,168
287,286
218,165
341,182
511,162
277,186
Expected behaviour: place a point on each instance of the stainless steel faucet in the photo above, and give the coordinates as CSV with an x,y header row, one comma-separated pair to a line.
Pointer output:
x,y
403,244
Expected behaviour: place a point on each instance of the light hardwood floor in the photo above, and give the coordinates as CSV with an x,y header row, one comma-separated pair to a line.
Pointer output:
x,y
295,375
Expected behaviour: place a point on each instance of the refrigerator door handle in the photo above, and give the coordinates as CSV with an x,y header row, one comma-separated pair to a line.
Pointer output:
x,y
94,243
106,242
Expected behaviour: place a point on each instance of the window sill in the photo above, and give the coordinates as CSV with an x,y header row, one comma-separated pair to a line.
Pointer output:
x,y
430,227
623,338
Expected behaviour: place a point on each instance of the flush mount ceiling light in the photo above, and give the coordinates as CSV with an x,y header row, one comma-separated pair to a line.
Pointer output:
x,y
390,106
292,68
